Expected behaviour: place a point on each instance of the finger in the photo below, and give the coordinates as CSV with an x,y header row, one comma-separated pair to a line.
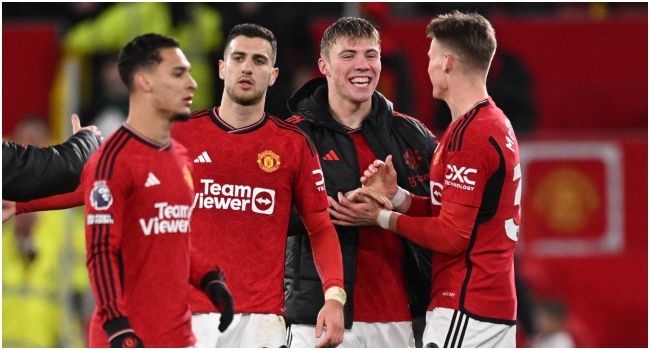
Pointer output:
x,y
340,215
354,196
325,343
375,195
332,201
389,164
76,123
96,130
319,326
341,219
342,223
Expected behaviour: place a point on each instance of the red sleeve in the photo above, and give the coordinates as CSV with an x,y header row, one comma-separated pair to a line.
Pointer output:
x,y
311,203
199,267
420,206
448,233
326,248
105,207
62,201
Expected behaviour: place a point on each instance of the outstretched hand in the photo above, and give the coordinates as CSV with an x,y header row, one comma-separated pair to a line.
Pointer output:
x,y
381,177
76,127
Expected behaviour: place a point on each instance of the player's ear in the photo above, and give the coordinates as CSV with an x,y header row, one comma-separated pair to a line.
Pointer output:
x,y
274,76
222,68
323,67
448,63
142,81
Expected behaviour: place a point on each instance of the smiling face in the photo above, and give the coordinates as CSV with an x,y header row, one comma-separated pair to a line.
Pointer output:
x,y
172,85
352,68
247,70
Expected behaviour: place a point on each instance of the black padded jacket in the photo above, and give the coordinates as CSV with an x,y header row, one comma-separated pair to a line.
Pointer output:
x,y
387,132
30,172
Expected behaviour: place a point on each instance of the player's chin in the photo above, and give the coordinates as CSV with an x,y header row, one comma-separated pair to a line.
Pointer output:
x,y
182,117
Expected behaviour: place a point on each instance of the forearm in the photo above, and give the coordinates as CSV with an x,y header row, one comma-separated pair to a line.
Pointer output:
x,y
413,205
326,248
199,268
75,152
104,276
63,201
448,234
31,172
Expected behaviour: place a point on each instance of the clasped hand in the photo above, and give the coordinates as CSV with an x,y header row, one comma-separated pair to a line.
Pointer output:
x,y
361,207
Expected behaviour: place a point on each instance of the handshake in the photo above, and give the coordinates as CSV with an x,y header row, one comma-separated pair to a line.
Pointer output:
x,y
372,204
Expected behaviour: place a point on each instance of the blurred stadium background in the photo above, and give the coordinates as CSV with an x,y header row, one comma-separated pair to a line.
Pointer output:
x,y
573,77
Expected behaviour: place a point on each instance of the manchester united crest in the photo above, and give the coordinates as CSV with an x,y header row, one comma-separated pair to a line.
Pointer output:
x,y
268,161
412,158
436,157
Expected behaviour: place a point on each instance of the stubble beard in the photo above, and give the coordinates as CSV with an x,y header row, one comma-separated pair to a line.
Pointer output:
x,y
245,101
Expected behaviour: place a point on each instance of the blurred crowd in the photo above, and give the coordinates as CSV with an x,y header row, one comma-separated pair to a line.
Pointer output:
x,y
93,32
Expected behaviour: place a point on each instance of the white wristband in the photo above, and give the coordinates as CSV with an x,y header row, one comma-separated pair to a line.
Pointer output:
x,y
399,197
336,293
384,218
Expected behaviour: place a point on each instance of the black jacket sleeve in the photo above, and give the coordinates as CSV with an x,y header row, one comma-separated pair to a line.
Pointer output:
x,y
30,172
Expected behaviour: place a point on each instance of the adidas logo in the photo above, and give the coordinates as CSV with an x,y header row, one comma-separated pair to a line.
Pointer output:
x,y
331,156
203,158
152,180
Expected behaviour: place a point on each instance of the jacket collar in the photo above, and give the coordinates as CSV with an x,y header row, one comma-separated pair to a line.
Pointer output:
x,y
310,102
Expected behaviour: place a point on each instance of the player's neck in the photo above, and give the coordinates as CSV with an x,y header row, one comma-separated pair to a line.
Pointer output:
x,y
348,113
464,96
239,116
151,125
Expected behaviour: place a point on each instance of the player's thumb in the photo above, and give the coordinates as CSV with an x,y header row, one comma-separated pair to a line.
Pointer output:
x,y
389,163
76,123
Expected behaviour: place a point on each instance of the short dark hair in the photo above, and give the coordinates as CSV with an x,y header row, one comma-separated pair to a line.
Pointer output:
x,y
251,30
351,27
468,35
142,53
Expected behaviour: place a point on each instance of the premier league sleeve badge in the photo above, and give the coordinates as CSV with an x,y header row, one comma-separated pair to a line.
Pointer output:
x,y
100,196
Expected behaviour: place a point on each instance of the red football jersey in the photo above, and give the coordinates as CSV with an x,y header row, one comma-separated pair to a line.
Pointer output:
x,y
138,199
246,181
477,164
380,287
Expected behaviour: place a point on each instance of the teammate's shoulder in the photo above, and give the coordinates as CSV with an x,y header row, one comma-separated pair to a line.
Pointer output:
x,y
200,114
177,146
292,130
182,130
295,120
406,120
411,123
404,116
290,124
105,161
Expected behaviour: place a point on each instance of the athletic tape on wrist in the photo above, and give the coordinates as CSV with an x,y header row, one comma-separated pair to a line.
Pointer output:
x,y
399,198
336,293
384,218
